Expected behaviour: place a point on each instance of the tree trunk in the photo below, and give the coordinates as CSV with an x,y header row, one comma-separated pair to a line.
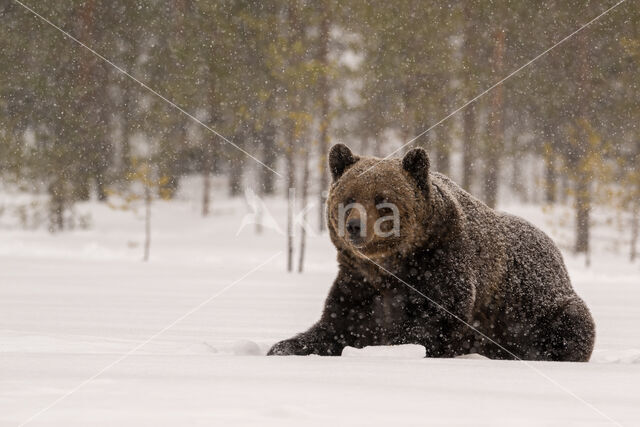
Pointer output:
x,y
235,177
305,197
147,222
294,35
269,158
468,143
408,120
550,152
550,180
583,213
377,146
237,164
442,140
268,143
86,105
323,88
564,188
56,205
103,157
495,141
469,114
81,188
294,102
517,185
259,215
170,163
291,191
290,163
206,191
96,148
291,196
208,162
125,143
635,225
101,189
579,153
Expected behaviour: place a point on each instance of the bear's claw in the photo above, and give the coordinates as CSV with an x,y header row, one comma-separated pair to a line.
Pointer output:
x,y
290,347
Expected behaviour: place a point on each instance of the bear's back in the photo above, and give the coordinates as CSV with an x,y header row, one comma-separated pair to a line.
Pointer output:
x,y
508,254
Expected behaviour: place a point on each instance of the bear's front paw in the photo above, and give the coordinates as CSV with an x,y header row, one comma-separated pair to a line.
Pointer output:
x,y
290,347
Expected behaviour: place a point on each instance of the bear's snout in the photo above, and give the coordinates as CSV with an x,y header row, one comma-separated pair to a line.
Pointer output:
x,y
355,230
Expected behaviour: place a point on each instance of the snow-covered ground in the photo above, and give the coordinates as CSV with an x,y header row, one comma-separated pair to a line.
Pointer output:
x,y
75,303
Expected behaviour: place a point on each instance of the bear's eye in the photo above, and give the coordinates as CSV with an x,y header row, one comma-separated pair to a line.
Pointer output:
x,y
350,201
380,199
385,211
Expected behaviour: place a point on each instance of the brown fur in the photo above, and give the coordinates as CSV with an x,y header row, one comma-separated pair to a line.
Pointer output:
x,y
494,271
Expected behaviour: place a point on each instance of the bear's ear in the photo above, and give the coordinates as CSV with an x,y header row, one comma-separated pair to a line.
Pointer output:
x,y
340,158
416,162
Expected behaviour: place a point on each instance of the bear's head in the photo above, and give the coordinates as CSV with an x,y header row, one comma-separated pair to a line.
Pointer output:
x,y
376,206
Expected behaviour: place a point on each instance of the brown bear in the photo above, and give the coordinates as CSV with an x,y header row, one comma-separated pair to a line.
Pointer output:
x,y
421,261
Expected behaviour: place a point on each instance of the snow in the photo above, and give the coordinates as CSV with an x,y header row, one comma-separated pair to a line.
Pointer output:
x,y
74,303
407,351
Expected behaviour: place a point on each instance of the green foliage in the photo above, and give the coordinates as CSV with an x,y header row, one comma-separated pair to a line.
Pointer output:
x,y
275,78
145,185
